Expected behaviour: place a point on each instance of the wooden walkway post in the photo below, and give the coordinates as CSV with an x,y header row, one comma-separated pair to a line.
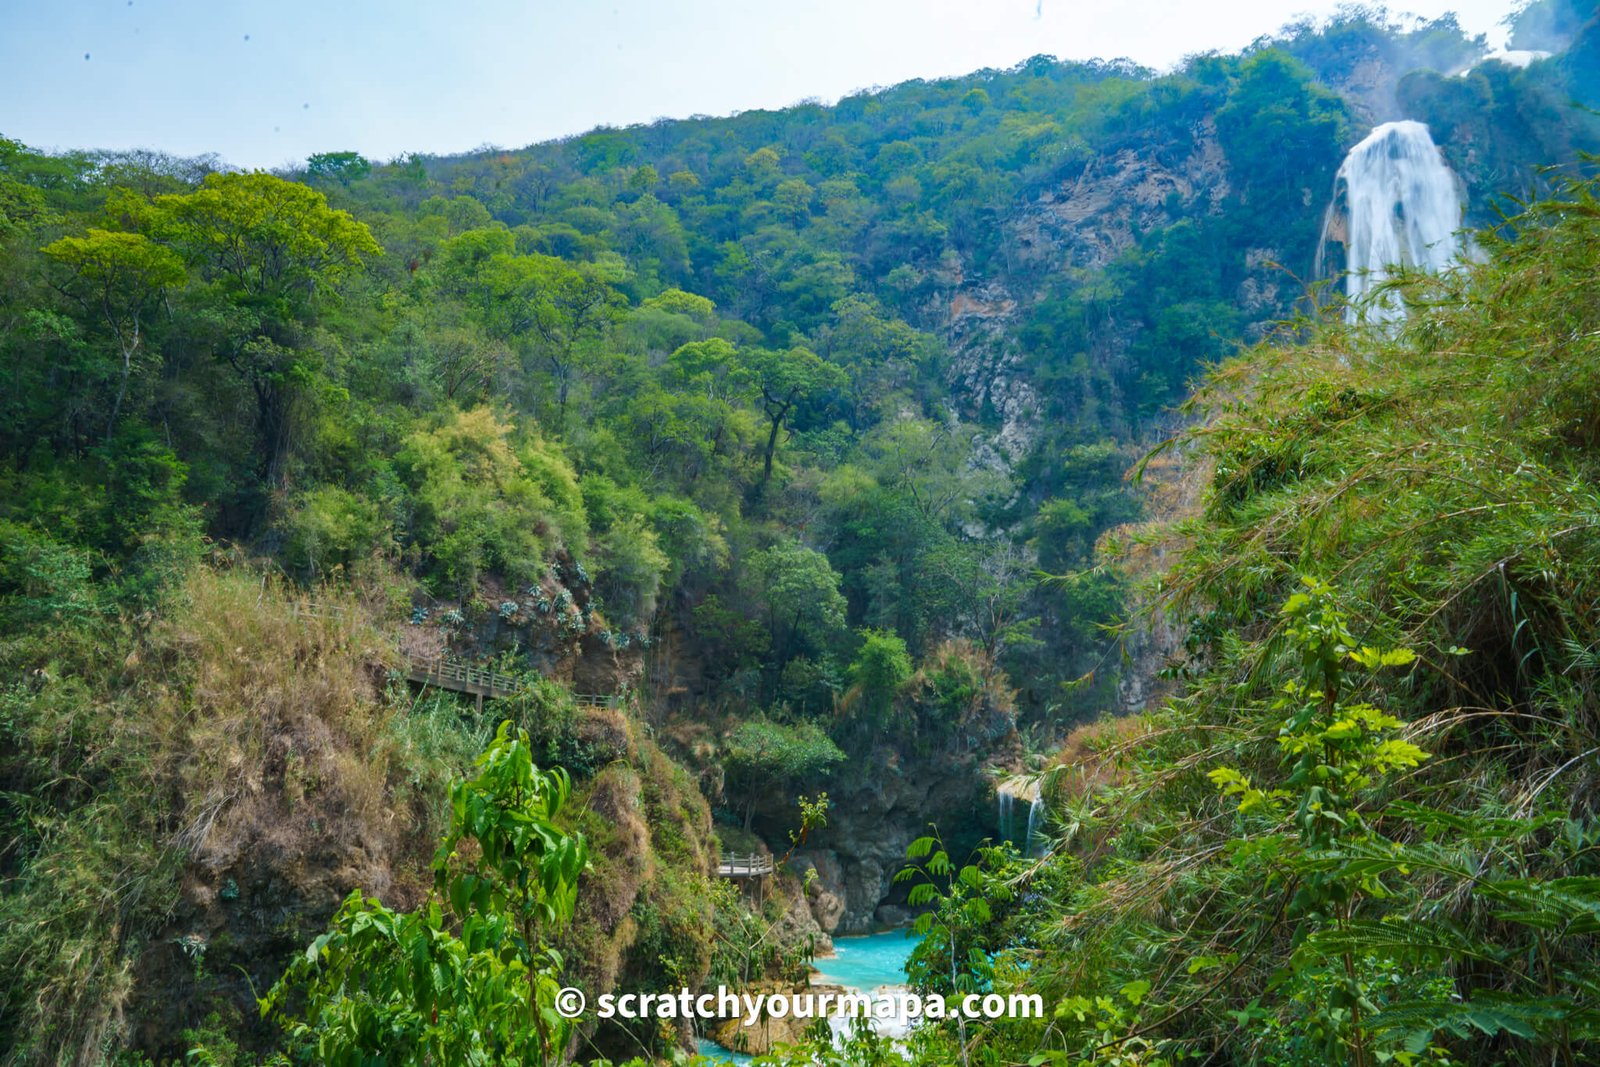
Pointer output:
x,y
745,868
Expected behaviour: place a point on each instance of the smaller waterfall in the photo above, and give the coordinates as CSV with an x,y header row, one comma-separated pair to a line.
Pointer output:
x,y
1396,203
1034,810
1008,792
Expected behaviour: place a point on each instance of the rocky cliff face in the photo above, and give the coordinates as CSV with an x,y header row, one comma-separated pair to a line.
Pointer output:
x,y
880,806
551,628
854,888
288,791
1077,226
1087,220
989,373
299,779
645,905
1079,223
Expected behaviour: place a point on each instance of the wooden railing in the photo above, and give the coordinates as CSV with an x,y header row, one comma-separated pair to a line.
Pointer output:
x,y
751,866
313,609
447,672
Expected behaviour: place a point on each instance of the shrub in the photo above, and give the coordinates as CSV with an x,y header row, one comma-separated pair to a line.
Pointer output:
x,y
43,579
631,565
480,504
881,667
761,753
469,976
331,527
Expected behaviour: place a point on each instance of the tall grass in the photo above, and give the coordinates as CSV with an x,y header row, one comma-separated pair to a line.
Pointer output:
x,y
242,722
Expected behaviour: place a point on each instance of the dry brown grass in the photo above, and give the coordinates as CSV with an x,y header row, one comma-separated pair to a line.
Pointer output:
x,y
265,707
1093,755
625,861
272,747
229,770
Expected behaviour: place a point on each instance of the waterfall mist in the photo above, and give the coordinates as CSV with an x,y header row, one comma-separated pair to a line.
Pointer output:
x,y
1396,203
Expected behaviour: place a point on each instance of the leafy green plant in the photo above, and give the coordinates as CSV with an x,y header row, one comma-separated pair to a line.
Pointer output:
x,y
761,754
960,905
1335,752
881,666
469,976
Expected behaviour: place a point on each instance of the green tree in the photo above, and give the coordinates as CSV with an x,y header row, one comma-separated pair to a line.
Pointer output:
x,y
462,362
786,380
478,502
883,357
960,903
679,302
273,243
762,757
712,367
117,278
804,607
792,198
269,251
342,167
929,463
1282,132
881,666
564,309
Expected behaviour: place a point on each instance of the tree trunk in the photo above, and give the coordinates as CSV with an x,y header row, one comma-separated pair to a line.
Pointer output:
x,y
777,416
772,446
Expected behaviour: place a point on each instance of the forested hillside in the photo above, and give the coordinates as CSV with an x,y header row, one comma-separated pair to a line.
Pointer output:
x,y
782,462
1364,832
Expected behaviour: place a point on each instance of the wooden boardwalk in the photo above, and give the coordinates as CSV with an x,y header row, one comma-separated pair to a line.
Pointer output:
x,y
751,866
459,676
447,672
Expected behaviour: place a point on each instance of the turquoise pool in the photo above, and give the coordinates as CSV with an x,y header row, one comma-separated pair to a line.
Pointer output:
x,y
717,1054
863,962
868,962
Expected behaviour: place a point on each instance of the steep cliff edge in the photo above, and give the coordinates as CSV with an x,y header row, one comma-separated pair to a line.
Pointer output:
x,y
1070,230
952,730
281,763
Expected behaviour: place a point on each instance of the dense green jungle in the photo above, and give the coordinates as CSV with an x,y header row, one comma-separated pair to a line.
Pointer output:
x,y
419,580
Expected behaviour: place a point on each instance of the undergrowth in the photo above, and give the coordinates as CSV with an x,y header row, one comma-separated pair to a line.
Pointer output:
x,y
235,718
1279,872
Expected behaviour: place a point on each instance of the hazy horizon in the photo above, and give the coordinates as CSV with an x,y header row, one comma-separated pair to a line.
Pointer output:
x,y
266,87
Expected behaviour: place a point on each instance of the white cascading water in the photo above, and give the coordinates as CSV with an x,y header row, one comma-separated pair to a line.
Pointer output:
x,y
1034,811
1008,792
1401,206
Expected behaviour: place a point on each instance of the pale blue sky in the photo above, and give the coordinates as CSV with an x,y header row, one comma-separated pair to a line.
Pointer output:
x,y
269,82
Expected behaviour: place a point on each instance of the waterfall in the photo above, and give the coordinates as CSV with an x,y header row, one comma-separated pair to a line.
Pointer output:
x,y
1401,206
1008,792
1033,821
